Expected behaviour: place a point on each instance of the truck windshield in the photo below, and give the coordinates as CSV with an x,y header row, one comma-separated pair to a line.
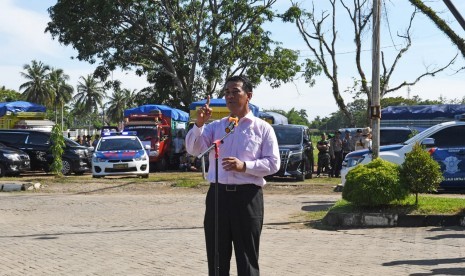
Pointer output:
x,y
145,133
289,136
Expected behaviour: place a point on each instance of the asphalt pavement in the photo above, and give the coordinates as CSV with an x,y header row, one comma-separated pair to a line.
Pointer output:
x,y
162,234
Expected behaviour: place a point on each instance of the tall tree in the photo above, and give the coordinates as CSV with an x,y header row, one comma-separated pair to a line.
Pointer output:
x,y
62,91
118,102
37,88
441,24
90,94
185,48
320,33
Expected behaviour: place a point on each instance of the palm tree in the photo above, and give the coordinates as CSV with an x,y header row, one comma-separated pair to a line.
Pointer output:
x,y
121,100
90,94
37,89
62,91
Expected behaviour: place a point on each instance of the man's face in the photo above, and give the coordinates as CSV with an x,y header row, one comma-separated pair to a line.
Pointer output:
x,y
237,100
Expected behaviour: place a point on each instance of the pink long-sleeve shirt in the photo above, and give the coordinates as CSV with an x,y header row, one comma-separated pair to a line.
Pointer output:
x,y
253,141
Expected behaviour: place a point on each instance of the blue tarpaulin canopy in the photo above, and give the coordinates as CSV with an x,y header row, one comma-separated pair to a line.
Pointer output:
x,y
422,112
20,106
173,113
222,102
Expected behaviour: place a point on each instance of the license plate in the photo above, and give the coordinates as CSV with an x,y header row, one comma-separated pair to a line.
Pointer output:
x,y
120,166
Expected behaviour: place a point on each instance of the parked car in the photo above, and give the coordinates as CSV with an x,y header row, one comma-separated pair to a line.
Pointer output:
x,y
445,142
76,158
13,161
296,150
120,154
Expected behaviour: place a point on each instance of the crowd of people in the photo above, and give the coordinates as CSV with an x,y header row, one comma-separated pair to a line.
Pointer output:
x,y
332,151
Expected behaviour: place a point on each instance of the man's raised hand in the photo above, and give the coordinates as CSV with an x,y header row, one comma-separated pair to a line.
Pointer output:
x,y
204,113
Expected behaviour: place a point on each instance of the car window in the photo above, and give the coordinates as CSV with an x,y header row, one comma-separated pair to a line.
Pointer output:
x,y
119,144
38,139
289,136
393,136
450,137
13,137
71,143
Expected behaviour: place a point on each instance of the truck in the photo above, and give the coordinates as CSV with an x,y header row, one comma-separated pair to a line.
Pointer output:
x,y
24,115
156,125
420,117
219,109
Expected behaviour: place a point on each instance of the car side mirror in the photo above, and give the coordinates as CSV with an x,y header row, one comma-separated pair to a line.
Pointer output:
x,y
92,149
428,142
147,147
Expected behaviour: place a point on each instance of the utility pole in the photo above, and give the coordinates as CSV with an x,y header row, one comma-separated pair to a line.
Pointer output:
x,y
375,108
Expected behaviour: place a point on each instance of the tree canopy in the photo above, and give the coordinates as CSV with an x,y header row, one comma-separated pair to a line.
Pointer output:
x,y
185,48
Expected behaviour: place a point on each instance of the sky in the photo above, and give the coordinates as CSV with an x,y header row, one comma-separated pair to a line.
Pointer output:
x,y
22,39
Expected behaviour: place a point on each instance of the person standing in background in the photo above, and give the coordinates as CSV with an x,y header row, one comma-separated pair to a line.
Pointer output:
x,y
346,144
335,151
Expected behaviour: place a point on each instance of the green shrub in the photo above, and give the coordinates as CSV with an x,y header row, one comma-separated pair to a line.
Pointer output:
x,y
376,183
419,172
58,144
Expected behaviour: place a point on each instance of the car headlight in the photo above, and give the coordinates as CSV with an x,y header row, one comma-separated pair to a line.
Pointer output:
x,y
98,159
80,152
295,156
12,156
142,158
352,161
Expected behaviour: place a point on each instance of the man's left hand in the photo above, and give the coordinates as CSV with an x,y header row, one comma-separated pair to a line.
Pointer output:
x,y
233,164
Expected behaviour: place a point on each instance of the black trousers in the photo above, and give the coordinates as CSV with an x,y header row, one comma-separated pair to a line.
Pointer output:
x,y
240,221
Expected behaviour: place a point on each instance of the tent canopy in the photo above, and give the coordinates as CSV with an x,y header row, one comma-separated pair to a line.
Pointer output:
x,y
20,106
422,112
174,113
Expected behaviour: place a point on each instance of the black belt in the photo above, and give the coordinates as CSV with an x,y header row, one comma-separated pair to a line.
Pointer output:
x,y
235,187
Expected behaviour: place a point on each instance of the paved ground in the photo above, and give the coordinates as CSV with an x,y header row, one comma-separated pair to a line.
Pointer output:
x,y
161,234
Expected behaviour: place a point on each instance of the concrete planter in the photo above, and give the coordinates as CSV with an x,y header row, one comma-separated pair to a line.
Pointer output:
x,y
355,220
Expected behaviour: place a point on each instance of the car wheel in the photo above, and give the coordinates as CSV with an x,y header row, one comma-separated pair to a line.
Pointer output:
x,y
66,169
145,175
2,170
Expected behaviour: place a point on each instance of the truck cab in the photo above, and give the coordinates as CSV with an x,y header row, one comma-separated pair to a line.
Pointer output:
x,y
155,131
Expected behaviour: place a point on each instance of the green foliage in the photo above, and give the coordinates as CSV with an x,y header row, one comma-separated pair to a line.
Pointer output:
x,y
58,144
9,95
185,48
420,172
376,183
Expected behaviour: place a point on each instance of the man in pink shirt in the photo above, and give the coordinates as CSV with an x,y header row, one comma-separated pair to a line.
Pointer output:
x,y
247,155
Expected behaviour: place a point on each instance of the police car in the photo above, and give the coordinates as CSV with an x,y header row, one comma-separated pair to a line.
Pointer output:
x,y
120,154
445,142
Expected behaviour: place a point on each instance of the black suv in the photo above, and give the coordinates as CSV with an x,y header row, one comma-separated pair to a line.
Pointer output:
x,y
13,161
37,145
296,150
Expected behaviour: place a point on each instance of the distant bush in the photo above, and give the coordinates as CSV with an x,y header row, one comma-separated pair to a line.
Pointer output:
x,y
376,183
420,172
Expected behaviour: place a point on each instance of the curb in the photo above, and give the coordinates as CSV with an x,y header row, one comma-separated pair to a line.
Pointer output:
x,y
361,220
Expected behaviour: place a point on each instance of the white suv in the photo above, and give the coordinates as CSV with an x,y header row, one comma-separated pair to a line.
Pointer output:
x,y
445,142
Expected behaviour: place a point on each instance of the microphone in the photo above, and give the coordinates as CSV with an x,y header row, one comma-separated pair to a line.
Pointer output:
x,y
233,120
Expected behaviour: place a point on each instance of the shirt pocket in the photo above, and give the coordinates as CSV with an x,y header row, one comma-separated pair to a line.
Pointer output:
x,y
251,143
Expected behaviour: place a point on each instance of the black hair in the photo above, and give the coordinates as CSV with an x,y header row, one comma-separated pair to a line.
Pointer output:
x,y
246,83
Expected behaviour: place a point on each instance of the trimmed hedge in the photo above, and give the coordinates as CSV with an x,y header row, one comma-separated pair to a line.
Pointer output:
x,y
376,183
